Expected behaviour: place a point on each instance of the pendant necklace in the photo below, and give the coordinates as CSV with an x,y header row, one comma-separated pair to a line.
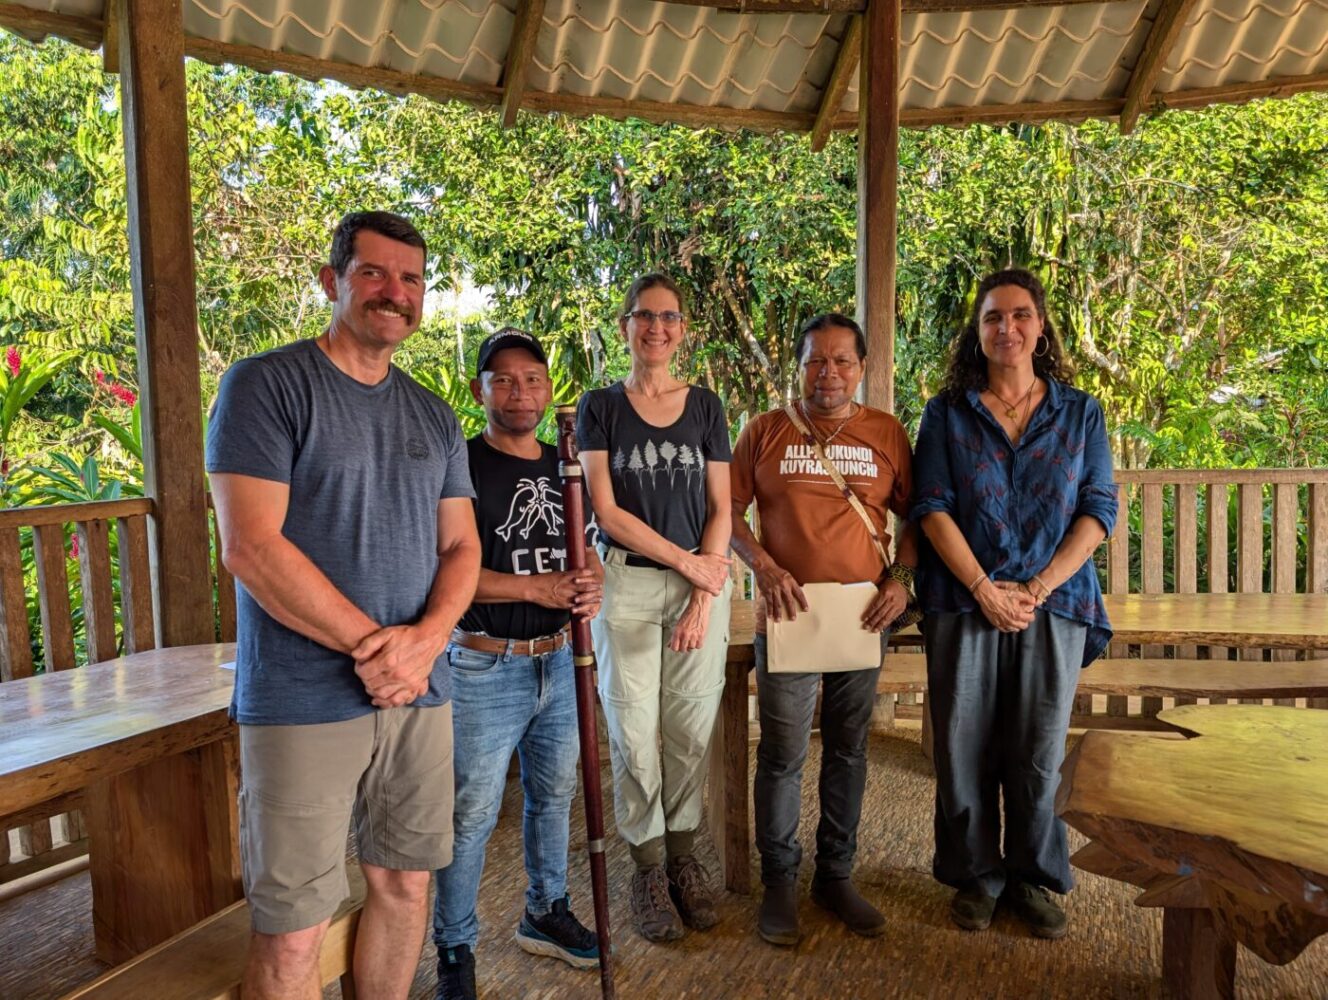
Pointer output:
x,y
1012,409
833,434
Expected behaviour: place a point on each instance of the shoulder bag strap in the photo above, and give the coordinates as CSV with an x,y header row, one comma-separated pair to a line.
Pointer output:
x,y
792,411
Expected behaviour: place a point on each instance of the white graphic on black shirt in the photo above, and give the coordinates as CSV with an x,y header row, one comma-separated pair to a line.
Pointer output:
x,y
662,462
534,501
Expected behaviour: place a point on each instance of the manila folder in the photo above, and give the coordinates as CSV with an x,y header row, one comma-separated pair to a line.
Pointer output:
x,y
829,637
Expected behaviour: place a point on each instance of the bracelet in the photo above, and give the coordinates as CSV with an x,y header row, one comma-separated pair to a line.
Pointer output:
x,y
902,575
973,587
1037,601
1046,591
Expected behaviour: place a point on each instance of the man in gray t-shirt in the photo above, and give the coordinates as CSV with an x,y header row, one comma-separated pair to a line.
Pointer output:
x,y
344,500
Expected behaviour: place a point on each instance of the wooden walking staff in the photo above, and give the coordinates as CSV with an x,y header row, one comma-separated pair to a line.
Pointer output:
x,y
583,656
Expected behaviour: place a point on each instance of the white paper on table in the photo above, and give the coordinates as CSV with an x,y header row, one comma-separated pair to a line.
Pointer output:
x,y
829,638
228,666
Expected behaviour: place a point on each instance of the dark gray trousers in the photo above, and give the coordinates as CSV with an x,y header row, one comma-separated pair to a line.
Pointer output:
x,y
1000,709
786,704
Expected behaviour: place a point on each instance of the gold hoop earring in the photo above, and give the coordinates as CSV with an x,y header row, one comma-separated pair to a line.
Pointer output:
x,y
1046,347
977,351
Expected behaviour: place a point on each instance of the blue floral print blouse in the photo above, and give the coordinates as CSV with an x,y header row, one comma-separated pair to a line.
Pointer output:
x,y
1015,503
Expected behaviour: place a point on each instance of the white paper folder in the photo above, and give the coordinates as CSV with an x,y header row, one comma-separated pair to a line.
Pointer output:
x,y
829,638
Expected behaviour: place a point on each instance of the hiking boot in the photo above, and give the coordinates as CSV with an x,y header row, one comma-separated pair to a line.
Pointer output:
x,y
652,909
689,887
1034,906
842,899
971,909
777,919
558,934
456,974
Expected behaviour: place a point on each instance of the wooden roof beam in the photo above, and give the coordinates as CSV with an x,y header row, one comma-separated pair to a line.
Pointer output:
x,y
858,6
1167,25
37,24
110,45
529,17
832,98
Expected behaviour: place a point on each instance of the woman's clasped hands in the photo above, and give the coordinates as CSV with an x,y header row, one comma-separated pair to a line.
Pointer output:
x,y
1007,605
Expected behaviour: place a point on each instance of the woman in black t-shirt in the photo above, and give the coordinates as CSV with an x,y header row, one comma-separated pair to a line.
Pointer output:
x,y
656,457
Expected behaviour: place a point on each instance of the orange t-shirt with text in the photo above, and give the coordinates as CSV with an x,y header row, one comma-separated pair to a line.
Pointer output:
x,y
806,524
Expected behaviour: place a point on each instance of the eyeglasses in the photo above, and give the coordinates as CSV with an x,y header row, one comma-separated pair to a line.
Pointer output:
x,y
647,317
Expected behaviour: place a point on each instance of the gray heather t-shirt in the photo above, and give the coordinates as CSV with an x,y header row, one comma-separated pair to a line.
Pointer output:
x,y
367,466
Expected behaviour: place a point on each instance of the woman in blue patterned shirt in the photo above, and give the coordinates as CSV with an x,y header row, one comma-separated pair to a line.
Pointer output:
x,y
1013,491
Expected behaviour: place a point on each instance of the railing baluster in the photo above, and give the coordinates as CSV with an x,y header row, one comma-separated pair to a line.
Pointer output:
x,y
1152,558
1249,555
1185,558
135,583
226,588
94,566
1218,557
15,640
1316,559
48,545
1286,517
1118,582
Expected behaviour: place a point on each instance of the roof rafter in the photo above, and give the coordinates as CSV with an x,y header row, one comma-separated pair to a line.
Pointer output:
x,y
37,24
858,6
110,45
1167,25
832,98
525,32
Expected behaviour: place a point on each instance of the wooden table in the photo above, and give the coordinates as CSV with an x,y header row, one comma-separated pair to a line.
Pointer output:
x,y
1285,621
1228,830
147,740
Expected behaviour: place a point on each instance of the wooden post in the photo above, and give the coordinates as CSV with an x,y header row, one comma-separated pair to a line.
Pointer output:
x,y
878,189
161,248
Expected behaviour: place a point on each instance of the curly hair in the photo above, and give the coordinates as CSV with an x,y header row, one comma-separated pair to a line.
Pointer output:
x,y
967,367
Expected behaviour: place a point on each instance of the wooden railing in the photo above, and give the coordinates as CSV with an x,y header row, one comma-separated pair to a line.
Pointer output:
x,y
43,637
1213,531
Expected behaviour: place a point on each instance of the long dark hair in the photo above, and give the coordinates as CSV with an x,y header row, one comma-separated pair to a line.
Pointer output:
x,y
967,368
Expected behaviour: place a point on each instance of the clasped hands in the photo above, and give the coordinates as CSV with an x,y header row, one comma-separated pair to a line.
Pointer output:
x,y
1009,605
395,662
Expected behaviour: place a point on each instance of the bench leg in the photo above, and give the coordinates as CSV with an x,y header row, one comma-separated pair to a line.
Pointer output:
x,y
727,799
164,848
1198,956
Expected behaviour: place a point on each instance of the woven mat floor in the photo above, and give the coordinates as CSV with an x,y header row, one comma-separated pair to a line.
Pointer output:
x,y
1113,949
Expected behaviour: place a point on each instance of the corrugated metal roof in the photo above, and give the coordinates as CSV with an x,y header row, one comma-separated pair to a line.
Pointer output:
x,y
596,54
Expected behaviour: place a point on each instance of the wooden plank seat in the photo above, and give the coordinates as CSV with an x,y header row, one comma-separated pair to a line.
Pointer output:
x,y
206,961
906,673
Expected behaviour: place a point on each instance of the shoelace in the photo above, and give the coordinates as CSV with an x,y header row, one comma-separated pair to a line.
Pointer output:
x,y
654,890
568,927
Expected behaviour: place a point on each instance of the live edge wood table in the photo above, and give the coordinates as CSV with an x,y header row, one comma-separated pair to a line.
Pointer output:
x,y
1227,829
147,739
1253,621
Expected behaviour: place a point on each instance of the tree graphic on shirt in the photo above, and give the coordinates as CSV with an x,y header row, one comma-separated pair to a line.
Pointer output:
x,y
634,463
652,460
619,462
687,458
668,452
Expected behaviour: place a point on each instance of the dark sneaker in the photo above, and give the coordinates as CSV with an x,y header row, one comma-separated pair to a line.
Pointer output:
x,y
971,909
777,920
558,934
653,912
456,974
1034,906
842,899
689,886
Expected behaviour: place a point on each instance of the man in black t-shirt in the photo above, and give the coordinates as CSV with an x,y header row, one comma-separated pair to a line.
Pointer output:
x,y
511,670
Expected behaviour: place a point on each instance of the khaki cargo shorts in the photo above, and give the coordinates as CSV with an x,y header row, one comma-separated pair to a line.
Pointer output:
x,y
301,786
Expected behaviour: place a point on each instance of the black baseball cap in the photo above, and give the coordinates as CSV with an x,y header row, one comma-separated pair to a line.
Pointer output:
x,y
508,336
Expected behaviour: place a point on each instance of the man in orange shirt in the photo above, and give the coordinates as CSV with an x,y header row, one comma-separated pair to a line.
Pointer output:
x,y
810,533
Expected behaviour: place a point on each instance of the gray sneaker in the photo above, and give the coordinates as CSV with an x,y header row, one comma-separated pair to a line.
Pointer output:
x,y
1034,906
653,912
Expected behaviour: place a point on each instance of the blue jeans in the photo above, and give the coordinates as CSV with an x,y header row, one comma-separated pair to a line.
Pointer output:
x,y
501,703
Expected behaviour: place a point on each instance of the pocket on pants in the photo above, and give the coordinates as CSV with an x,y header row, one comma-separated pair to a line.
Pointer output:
x,y
471,661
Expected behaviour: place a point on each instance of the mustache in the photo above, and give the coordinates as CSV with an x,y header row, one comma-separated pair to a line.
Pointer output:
x,y
388,304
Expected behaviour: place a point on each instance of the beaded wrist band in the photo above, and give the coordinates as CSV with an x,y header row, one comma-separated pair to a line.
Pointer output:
x,y
973,587
903,575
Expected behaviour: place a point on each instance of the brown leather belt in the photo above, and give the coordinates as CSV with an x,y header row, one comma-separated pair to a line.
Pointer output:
x,y
519,647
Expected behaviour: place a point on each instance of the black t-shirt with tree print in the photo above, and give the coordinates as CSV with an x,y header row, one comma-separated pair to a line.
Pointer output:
x,y
658,473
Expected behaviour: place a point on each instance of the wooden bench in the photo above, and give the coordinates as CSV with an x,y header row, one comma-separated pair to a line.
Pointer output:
x,y
206,962
906,673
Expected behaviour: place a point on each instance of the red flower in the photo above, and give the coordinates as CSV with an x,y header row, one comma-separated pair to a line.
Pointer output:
x,y
14,360
124,394
99,377
73,547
